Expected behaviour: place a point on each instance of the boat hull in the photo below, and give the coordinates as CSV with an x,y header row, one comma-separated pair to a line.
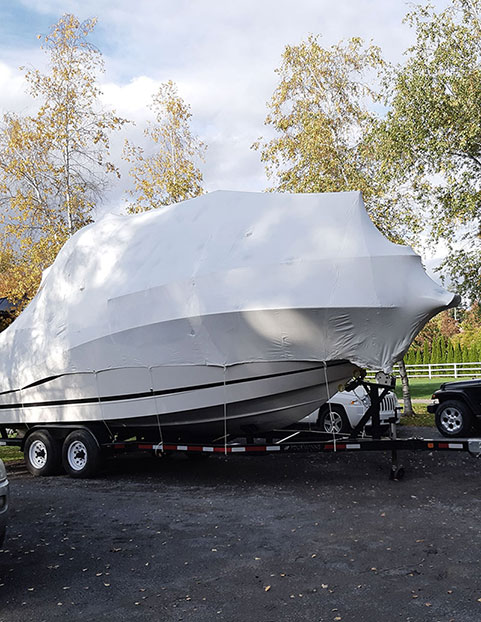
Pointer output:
x,y
190,401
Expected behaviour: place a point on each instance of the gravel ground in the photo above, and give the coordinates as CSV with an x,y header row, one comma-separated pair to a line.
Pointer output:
x,y
284,537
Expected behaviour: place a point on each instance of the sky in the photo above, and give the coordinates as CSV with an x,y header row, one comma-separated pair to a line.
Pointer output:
x,y
222,54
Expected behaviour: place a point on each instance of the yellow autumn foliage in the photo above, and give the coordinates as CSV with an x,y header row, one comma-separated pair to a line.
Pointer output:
x,y
53,163
170,173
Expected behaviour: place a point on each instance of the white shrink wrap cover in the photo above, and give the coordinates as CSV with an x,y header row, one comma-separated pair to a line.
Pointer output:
x,y
223,279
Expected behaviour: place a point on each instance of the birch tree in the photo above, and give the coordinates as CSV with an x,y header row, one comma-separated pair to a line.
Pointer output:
x,y
322,119
170,174
431,136
53,163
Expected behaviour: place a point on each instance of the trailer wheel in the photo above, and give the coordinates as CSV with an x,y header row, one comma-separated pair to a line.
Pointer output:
x,y
42,453
81,455
453,418
333,420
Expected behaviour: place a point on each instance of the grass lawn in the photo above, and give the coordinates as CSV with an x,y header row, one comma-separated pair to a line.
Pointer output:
x,y
8,454
422,388
421,418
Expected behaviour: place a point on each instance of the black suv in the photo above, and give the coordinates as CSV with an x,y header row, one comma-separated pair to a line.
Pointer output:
x,y
457,406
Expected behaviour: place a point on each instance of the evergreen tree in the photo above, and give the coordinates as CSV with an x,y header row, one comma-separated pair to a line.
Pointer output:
x,y
410,357
458,355
418,358
442,349
473,353
426,354
450,352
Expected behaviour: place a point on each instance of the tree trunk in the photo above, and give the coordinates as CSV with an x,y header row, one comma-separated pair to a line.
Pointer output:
x,y
408,406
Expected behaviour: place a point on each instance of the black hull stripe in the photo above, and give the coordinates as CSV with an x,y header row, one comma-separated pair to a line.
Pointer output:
x,y
163,392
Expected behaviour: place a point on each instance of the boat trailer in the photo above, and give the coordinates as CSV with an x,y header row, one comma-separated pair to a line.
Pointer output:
x,y
296,439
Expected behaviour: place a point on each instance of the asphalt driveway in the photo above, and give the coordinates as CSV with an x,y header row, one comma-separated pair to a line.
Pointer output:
x,y
284,537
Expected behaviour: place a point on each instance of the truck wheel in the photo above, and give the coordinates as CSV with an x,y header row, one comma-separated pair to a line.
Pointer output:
x,y
333,420
81,455
453,418
42,453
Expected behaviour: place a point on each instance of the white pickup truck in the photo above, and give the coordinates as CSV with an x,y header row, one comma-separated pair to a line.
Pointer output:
x,y
346,408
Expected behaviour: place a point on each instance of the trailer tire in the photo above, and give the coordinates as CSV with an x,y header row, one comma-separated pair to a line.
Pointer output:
x,y
336,423
42,453
81,454
454,418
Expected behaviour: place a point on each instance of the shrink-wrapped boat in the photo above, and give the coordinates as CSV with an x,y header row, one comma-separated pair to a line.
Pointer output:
x,y
227,314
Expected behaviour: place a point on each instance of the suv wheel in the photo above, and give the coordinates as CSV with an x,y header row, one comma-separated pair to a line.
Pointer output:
x,y
333,420
453,418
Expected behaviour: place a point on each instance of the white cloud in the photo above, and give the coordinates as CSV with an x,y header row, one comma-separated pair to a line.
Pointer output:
x,y
13,96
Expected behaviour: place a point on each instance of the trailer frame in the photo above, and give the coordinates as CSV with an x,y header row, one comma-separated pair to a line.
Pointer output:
x,y
296,439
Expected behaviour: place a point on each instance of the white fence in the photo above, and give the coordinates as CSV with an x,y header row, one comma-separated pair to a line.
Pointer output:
x,y
444,370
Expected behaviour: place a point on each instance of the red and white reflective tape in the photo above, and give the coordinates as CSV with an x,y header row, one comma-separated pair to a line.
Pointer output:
x,y
450,446
341,446
234,449
207,448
